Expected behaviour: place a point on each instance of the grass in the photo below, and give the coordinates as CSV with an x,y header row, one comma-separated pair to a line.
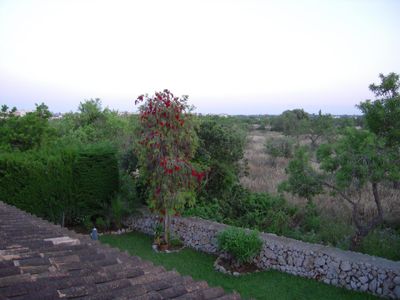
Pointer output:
x,y
263,285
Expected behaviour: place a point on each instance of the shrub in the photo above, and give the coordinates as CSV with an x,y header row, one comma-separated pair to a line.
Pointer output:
x,y
335,233
176,242
74,183
87,224
382,242
95,178
261,211
241,244
101,224
311,220
208,211
280,147
117,211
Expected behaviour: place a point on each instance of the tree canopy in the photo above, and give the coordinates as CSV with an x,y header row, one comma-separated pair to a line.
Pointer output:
x,y
24,132
167,144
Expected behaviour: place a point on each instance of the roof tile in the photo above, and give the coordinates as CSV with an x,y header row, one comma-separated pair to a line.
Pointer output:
x,y
39,260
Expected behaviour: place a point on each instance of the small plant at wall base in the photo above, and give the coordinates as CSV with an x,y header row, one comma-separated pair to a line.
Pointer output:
x,y
167,144
242,245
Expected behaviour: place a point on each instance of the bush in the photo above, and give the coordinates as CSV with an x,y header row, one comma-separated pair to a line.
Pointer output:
x,y
241,244
382,242
335,233
95,178
261,211
311,219
280,147
101,224
208,211
117,211
87,224
70,183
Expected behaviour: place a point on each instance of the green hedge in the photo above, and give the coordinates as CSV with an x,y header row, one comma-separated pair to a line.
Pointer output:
x,y
75,182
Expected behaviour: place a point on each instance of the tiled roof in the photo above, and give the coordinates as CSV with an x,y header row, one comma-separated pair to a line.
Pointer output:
x,y
40,260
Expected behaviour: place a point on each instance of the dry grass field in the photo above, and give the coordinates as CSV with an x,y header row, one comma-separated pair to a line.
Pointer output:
x,y
263,176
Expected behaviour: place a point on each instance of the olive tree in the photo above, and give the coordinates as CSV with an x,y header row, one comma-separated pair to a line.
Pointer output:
x,y
318,128
359,160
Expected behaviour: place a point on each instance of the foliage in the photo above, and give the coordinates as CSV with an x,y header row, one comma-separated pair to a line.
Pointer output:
x,y
259,211
74,183
279,147
382,116
118,211
311,218
167,144
92,124
335,233
290,122
90,111
101,224
87,223
221,146
383,243
130,192
129,161
176,242
303,179
158,230
357,160
36,184
319,127
95,178
24,132
220,142
345,121
210,210
241,244
389,87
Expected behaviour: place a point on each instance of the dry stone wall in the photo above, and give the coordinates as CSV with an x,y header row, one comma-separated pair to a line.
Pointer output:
x,y
354,271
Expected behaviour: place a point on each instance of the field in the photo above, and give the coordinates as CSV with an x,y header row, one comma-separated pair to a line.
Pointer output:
x,y
264,176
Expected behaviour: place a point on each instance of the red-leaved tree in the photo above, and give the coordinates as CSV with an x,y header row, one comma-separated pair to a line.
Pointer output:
x,y
168,142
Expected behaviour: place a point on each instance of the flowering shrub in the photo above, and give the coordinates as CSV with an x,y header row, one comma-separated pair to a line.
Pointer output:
x,y
168,142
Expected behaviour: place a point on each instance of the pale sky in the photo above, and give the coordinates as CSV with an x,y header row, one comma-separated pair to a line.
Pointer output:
x,y
235,57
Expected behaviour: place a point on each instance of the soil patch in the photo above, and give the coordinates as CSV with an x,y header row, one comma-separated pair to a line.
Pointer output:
x,y
230,266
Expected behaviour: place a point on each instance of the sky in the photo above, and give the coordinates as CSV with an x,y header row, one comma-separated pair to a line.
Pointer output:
x,y
233,57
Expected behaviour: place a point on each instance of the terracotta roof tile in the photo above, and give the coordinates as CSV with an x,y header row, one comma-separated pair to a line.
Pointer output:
x,y
39,260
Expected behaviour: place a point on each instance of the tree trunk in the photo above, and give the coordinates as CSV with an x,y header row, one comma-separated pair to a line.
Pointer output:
x,y
364,230
167,228
63,219
357,238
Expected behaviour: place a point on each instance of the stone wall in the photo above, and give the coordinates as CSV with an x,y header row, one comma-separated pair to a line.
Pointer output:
x,y
354,271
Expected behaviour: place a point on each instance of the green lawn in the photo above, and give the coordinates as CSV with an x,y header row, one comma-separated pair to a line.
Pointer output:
x,y
263,285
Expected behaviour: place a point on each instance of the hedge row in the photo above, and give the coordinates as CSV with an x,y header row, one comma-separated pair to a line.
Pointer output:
x,y
69,184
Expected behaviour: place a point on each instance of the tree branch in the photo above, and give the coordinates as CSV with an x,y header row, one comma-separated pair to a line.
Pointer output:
x,y
343,195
